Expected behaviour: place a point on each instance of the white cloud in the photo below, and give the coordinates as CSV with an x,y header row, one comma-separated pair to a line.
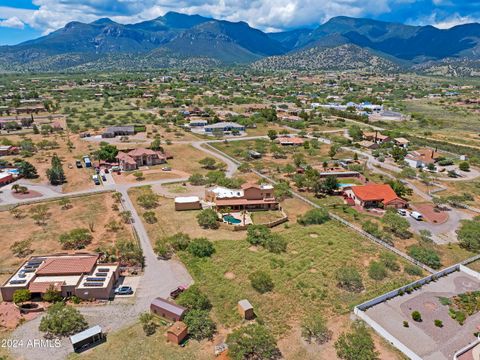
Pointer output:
x,y
445,22
13,22
263,14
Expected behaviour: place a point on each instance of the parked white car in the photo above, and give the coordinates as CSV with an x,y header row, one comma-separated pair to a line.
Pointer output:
x,y
416,215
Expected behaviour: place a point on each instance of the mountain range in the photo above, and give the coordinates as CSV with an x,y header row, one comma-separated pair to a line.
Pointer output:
x,y
179,40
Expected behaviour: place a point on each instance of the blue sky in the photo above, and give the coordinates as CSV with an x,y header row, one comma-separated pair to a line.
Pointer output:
x,y
22,20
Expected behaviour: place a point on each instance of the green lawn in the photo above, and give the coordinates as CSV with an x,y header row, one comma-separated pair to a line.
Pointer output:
x,y
304,276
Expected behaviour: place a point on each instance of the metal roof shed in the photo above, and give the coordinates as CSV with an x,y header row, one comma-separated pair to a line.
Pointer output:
x,y
167,309
87,338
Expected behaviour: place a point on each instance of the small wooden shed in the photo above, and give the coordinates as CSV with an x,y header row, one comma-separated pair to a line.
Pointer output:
x,y
177,332
245,309
167,309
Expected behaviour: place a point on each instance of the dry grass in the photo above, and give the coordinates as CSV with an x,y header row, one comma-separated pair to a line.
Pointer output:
x,y
94,208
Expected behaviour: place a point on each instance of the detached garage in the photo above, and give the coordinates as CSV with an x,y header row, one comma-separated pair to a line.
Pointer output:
x,y
187,203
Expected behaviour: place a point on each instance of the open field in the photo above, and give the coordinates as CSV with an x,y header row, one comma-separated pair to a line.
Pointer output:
x,y
94,209
304,276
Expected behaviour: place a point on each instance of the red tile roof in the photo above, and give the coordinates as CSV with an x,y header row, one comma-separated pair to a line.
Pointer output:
x,y
375,192
68,265
141,152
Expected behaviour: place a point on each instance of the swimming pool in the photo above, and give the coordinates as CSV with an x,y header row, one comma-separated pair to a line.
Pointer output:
x,y
345,185
13,171
231,220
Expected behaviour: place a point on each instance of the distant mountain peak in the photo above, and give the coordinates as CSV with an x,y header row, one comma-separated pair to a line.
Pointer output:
x,y
103,21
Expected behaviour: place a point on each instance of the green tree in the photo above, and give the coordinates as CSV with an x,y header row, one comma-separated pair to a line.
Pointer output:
x,y
208,219
156,145
107,152
272,134
252,342
208,163
399,188
200,325
55,174
355,132
201,247
148,200
314,329
261,281
21,295
62,320
416,316
150,217
76,239
356,345
148,325
194,298
21,248
40,214
27,170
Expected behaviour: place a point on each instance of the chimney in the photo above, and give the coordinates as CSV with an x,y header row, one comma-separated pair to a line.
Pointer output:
x,y
376,132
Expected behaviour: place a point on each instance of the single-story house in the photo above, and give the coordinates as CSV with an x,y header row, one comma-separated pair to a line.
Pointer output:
x,y
290,141
401,142
187,203
79,274
166,309
224,126
177,332
249,197
422,158
376,137
114,131
140,157
374,196
368,144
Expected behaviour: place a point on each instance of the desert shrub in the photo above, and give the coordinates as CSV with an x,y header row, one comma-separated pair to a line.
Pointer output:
x,y
21,296
438,323
357,344
349,279
413,270
314,329
377,271
425,255
416,316
261,281
201,247
314,216
390,261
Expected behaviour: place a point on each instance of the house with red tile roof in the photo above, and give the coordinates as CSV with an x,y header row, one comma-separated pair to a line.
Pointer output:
x,y
249,197
290,141
374,196
135,158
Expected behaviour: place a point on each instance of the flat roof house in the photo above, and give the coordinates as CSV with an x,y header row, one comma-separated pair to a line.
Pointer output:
x,y
249,197
374,196
71,274
183,203
224,126
166,309
114,131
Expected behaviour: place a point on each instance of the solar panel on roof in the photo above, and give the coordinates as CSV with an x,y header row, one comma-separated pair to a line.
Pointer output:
x,y
16,282
93,284
35,262
103,270
95,279
101,274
